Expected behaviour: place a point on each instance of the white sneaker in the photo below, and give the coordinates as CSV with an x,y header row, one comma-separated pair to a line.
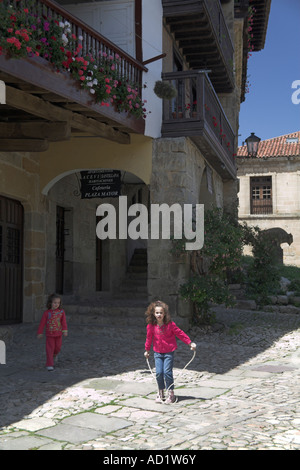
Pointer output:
x,y
171,397
50,368
160,396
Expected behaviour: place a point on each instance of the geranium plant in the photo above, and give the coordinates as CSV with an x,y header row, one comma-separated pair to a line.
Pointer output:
x,y
26,33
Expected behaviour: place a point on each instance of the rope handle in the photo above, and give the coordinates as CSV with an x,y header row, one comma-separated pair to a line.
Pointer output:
x,y
192,347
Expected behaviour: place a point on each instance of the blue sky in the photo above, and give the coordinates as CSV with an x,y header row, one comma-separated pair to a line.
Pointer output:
x,y
268,110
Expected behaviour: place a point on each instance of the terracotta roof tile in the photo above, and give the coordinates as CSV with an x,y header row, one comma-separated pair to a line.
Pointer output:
x,y
276,147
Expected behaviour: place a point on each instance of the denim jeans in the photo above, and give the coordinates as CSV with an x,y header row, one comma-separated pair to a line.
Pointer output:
x,y
164,370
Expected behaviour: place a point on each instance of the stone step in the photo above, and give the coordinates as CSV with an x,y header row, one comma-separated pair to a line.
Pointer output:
x,y
137,268
134,285
116,313
239,294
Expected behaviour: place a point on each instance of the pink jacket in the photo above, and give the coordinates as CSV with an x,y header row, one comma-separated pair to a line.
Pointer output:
x,y
55,322
163,337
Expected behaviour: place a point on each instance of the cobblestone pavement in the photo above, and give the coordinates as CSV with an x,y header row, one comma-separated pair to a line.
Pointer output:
x,y
240,392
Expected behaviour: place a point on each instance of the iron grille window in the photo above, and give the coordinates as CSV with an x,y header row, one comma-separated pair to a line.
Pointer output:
x,y
261,195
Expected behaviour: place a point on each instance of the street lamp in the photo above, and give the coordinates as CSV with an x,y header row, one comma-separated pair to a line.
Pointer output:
x,y
252,144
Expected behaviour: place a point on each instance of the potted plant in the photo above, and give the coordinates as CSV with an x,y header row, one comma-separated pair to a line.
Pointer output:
x,y
177,113
164,90
192,109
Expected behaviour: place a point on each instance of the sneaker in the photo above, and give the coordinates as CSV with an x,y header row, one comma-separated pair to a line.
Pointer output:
x,y
50,368
171,397
160,397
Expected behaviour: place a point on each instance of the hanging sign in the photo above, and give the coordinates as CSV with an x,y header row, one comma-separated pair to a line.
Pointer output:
x,y
100,184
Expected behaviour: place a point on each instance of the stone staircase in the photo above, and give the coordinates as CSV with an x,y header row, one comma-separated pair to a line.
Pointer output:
x,y
134,285
125,308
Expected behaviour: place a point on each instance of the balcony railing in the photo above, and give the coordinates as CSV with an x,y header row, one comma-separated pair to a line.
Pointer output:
x,y
38,76
200,29
92,42
196,112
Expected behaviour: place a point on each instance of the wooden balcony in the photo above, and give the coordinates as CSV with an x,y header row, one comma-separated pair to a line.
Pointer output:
x,y
44,104
196,112
200,29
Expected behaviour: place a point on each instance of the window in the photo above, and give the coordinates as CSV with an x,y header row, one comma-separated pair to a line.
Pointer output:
x,y
261,195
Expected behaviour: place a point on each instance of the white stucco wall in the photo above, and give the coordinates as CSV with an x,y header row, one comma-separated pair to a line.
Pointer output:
x,y
152,31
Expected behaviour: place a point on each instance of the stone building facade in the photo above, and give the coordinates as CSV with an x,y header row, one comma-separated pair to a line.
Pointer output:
x,y
269,195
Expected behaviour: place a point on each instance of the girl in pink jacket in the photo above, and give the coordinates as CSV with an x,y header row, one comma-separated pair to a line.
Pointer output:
x,y
163,332
54,319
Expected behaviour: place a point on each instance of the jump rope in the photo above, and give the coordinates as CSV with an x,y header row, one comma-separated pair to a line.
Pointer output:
x,y
193,348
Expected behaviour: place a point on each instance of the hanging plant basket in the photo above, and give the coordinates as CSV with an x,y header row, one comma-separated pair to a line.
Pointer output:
x,y
164,90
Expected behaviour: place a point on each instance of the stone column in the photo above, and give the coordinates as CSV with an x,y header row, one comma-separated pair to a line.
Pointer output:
x,y
34,265
176,172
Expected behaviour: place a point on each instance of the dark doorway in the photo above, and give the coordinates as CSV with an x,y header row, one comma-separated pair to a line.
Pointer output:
x,y
60,249
11,260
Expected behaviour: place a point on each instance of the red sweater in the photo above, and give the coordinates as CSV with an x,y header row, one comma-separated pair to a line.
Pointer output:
x,y
55,322
163,337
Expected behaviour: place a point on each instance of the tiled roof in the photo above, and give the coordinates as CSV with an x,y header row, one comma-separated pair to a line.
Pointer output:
x,y
276,147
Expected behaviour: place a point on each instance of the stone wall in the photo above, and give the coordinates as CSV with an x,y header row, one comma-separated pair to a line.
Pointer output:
x,y
178,169
19,180
285,173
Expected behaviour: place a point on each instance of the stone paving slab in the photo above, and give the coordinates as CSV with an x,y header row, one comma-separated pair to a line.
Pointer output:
x,y
105,424
23,443
120,386
84,427
34,424
71,433
200,393
144,404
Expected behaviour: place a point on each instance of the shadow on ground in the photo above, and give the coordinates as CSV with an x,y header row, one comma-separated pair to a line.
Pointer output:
x,y
93,351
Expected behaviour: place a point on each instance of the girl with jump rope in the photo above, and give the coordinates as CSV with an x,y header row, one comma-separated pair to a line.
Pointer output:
x,y
163,332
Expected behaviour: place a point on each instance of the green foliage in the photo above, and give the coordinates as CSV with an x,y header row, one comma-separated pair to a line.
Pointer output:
x,y
290,272
262,273
204,290
27,31
220,262
221,255
164,90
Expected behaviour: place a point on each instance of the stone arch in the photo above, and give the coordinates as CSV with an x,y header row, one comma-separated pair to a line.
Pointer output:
x,y
64,158
88,267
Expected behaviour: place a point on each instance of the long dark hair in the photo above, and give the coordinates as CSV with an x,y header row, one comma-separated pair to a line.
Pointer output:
x,y
51,298
150,317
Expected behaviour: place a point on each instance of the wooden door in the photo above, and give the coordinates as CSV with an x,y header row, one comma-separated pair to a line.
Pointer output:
x,y
11,260
60,249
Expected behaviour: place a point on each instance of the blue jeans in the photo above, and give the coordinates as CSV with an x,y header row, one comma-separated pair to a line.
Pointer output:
x,y
164,370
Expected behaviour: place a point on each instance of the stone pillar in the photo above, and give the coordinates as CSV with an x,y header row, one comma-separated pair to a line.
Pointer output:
x,y
34,265
176,174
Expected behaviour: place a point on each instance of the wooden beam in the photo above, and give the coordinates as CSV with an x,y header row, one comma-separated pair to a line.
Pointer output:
x,y
52,131
38,107
98,128
23,145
